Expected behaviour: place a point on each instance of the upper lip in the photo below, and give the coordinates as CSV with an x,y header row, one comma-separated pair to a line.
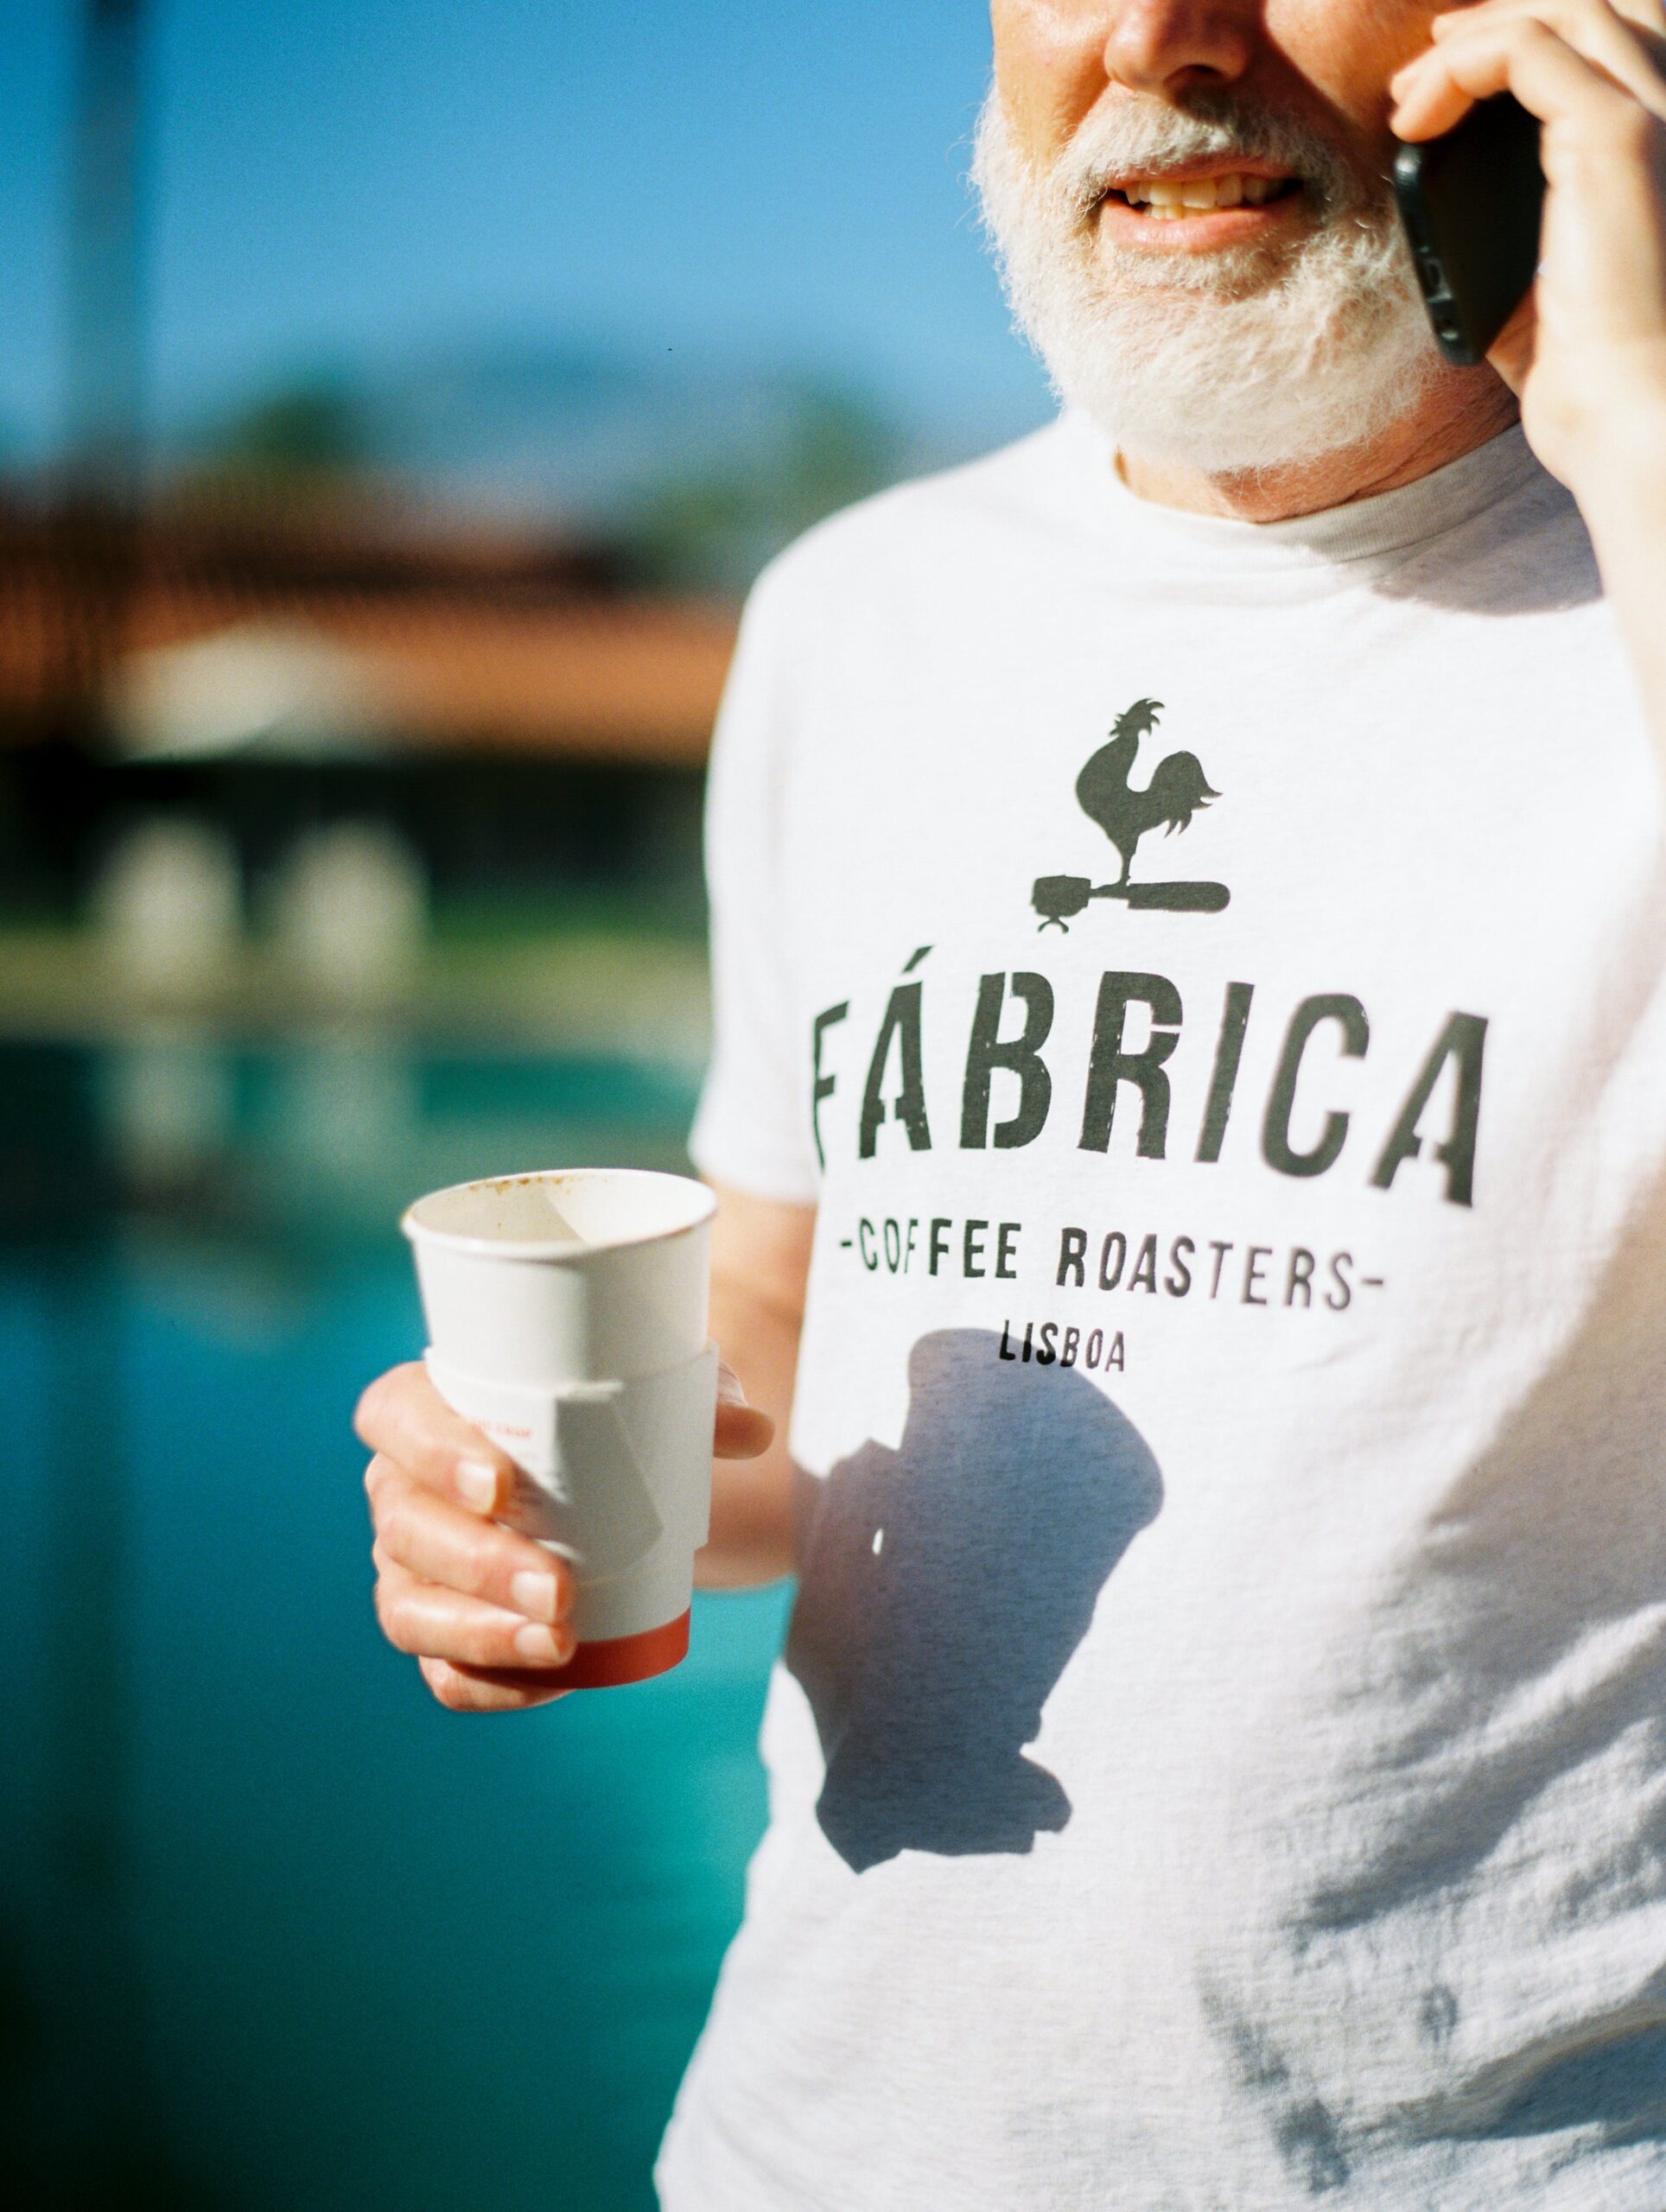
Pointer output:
x,y
1195,172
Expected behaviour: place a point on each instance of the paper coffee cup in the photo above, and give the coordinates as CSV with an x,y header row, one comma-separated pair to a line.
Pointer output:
x,y
566,1315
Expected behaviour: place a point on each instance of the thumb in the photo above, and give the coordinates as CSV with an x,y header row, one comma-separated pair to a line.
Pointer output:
x,y
1516,344
743,1430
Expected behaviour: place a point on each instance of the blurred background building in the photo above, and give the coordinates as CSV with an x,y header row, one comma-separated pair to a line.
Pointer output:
x,y
395,404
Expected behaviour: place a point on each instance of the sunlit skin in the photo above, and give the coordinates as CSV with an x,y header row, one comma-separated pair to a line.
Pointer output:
x,y
485,1612
1334,65
1326,63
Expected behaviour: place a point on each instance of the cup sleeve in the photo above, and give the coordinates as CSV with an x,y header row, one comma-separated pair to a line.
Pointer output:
x,y
752,1127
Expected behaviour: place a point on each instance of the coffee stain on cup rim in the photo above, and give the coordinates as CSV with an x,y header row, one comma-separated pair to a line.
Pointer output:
x,y
572,1247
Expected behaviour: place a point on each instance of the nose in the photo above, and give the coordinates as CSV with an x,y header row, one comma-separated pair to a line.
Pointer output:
x,y
1166,46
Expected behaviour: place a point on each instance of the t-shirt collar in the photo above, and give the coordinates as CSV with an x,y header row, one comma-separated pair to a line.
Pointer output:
x,y
1380,529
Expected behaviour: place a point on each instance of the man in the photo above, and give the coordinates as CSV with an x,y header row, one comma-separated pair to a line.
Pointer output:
x,y
1189,919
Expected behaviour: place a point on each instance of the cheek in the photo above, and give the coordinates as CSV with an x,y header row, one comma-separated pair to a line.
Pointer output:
x,y
1049,64
1347,50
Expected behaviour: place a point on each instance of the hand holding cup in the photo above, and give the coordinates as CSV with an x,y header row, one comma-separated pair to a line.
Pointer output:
x,y
491,1614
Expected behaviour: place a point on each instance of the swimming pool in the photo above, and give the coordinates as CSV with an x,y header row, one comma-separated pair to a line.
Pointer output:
x,y
278,1931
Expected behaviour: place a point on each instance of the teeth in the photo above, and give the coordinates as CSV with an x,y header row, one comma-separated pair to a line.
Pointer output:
x,y
1168,199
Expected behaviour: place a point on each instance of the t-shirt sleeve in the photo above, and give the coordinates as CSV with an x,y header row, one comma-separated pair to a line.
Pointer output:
x,y
752,1128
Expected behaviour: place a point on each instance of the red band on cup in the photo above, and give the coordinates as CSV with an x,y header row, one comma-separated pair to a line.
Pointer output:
x,y
617,1660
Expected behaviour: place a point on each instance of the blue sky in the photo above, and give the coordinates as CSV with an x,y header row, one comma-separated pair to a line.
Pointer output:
x,y
350,182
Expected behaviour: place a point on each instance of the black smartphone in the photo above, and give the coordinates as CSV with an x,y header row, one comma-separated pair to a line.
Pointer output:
x,y
1471,203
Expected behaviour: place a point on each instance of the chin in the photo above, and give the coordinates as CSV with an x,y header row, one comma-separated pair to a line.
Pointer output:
x,y
1262,370
1204,427
1201,346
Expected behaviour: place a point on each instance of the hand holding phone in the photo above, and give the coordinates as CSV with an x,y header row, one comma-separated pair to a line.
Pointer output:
x,y
1471,204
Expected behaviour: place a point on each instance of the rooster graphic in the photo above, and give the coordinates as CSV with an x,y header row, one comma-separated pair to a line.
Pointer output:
x,y
1105,793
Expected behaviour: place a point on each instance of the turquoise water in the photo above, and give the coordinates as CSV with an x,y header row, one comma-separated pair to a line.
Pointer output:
x,y
278,1932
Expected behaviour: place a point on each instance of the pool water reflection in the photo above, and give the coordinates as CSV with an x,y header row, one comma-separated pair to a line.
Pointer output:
x,y
279,1931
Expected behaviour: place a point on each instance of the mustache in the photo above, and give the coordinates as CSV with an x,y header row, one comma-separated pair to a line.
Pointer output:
x,y
1209,125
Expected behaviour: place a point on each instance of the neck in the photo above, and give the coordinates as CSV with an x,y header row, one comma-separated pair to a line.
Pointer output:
x,y
1460,409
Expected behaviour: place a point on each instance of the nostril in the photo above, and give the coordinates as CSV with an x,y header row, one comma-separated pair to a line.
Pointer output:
x,y
1158,48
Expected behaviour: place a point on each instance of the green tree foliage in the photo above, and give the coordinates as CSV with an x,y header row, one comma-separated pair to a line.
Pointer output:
x,y
713,528
313,428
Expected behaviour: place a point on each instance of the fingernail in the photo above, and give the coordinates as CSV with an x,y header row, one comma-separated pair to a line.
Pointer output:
x,y
536,1595
729,1388
537,1646
477,1484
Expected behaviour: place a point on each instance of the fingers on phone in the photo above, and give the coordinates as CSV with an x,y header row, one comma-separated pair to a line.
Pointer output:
x,y
402,1416
1589,61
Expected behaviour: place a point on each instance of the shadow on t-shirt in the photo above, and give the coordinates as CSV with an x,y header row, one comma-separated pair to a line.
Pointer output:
x,y
944,1586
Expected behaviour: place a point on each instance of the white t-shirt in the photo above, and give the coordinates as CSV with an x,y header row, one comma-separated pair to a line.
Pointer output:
x,y
1209,978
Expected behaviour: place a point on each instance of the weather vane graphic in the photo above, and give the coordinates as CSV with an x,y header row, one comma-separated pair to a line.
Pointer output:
x,y
1105,792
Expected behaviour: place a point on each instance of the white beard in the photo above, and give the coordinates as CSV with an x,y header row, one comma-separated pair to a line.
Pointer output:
x,y
1246,359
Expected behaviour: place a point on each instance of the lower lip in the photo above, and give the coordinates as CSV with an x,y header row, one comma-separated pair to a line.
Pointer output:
x,y
1201,231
